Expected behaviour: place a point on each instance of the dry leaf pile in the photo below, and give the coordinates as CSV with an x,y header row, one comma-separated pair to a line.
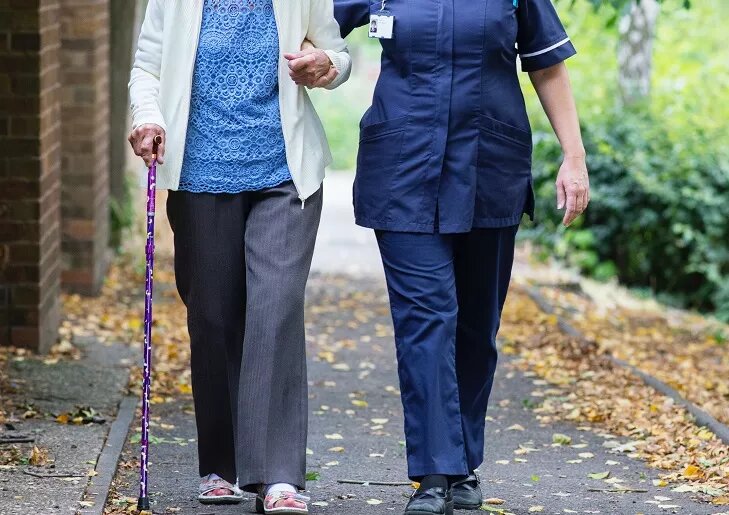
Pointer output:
x,y
686,351
584,386
117,315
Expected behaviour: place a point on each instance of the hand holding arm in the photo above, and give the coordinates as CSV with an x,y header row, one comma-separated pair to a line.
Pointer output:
x,y
324,34
311,67
573,184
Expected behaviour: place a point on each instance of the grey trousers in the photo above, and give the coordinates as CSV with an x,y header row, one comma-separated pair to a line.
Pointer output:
x,y
241,266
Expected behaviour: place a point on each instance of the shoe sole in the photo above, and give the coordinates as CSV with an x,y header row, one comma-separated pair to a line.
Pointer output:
x,y
448,511
279,511
467,506
219,500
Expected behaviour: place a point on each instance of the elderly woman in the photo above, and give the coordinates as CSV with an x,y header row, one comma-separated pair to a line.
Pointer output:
x,y
243,156
444,176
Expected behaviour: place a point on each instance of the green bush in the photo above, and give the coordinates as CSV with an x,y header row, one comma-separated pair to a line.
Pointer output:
x,y
659,215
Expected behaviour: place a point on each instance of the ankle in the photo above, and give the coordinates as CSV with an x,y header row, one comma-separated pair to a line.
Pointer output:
x,y
433,481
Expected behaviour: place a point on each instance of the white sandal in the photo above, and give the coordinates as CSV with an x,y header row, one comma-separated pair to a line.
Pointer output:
x,y
267,505
209,484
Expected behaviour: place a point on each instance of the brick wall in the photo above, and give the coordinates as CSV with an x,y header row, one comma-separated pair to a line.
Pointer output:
x,y
85,148
29,172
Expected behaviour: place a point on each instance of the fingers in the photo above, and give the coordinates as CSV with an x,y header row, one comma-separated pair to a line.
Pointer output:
x,y
142,141
161,151
570,209
576,195
326,79
302,62
561,194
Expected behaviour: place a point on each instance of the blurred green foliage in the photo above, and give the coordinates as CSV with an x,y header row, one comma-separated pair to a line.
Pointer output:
x,y
659,217
341,109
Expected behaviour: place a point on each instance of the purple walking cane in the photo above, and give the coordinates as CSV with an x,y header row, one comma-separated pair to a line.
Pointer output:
x,y
143,501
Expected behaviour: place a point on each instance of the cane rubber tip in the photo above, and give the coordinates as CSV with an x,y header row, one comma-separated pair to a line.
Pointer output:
x,y
158,139
143,507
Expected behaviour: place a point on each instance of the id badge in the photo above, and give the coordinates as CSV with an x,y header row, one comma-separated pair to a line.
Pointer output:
x,y
382,25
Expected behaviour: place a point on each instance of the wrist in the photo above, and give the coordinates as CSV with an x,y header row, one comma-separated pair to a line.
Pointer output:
x,y
573,155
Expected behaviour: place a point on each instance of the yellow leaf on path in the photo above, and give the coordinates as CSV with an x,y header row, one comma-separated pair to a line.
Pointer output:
x,y
502,462
515,427
360,403
334,436
184,388
63,418
374,501
536,508
691,471
336,449
38,457
721,501
494,500
92,473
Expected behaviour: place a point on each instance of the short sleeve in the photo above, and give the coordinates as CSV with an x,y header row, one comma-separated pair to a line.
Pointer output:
x,y
351,14
542,40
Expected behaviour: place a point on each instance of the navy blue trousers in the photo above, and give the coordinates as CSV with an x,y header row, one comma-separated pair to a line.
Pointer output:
x,y
446,295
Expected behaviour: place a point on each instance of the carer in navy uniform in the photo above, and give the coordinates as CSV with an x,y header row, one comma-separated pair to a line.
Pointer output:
x,y
443,177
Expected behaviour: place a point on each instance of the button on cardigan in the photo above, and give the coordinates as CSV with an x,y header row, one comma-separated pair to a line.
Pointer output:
x,y
161,82
446,145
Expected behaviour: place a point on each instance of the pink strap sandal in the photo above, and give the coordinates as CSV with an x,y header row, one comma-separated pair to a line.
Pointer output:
x,y
209,485
283,503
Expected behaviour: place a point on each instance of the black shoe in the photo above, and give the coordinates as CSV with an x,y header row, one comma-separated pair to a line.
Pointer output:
x,y
433,501
467,493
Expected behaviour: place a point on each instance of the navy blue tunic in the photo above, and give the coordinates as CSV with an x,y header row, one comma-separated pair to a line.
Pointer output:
x,y
446,145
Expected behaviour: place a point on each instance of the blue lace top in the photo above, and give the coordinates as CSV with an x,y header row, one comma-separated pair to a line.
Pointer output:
x,y
234,138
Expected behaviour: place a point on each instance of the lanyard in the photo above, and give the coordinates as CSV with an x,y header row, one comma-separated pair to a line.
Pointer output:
x,y
384,3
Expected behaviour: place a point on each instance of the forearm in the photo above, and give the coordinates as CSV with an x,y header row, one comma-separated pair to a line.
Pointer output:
x,y
555,93
144,83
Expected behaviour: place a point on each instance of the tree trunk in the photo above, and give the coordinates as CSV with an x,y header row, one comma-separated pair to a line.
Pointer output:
x,y
635,50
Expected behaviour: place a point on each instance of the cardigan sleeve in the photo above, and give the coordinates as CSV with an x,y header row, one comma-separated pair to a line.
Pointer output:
x,y
324,34
144,83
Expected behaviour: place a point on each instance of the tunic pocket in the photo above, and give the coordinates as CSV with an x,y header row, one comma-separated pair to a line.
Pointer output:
x,y
378,160
504,188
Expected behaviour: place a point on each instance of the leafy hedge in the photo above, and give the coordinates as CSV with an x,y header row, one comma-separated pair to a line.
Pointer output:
x,y
659,215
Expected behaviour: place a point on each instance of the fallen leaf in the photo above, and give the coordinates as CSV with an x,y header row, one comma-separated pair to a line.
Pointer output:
x,y
599,475
536,508
691,471
561,439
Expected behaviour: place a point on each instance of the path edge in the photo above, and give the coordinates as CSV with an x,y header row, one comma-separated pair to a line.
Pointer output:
x,y
701,417
99,485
